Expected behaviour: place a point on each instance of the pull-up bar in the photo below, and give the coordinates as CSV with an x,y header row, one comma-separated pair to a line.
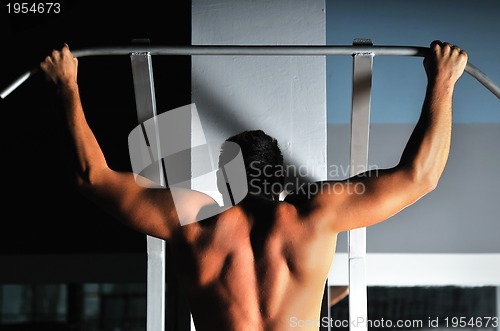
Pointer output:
x,y
256,50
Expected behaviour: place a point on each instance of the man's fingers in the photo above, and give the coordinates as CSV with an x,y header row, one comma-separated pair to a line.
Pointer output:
x,y
45,66
56,54
65,49
435,43
445,47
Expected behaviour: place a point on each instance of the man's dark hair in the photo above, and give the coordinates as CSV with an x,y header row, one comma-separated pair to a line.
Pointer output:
x,y
262,157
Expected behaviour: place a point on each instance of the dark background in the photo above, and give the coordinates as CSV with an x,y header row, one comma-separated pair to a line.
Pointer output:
x,y
41,211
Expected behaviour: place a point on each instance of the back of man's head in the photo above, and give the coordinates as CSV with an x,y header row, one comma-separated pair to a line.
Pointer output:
x,y
263,161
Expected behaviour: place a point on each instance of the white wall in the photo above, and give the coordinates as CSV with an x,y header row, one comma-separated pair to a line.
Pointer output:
x,y
284,96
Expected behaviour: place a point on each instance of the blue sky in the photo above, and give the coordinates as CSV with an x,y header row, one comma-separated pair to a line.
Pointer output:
x,y
399,82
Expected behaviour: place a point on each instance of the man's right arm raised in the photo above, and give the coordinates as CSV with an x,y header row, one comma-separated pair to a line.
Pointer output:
x,y
376,195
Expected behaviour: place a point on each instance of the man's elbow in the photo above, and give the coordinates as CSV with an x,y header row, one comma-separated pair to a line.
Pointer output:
x,y
431,184
86,180
424,181
428,183
81,182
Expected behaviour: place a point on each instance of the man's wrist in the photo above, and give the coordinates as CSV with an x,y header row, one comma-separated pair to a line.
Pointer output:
x,y
67,87
441,85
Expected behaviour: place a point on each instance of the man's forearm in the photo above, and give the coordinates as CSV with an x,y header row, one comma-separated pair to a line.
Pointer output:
x,y
89,156
427,150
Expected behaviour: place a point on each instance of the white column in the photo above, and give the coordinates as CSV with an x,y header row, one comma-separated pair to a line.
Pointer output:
x,y
283,95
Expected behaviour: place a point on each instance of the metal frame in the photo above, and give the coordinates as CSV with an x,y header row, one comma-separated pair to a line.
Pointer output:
x,y
142,72
360,129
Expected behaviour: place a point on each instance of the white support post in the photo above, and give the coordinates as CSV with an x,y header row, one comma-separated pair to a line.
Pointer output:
x,y
360,124
146,108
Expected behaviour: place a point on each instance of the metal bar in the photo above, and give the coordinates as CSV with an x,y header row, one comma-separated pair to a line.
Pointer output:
x,y
279,50
360,127
146,108
24,77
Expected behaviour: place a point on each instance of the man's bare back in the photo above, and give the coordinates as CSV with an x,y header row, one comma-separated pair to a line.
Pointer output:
x,y
263,264
257,266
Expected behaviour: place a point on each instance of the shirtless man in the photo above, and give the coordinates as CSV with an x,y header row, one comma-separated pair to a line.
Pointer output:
x,y
262,264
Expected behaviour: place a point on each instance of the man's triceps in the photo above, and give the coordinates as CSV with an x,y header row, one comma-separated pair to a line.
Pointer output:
x,y
372,197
